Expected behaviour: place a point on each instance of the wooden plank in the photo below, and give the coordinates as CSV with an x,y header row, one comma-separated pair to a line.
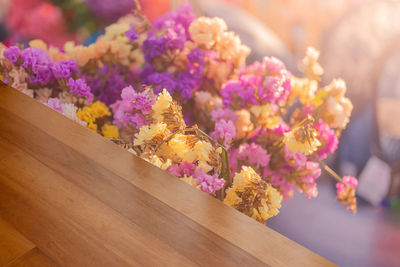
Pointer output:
x,y
34,258
80,146
12,243
80,220
6,149
144,210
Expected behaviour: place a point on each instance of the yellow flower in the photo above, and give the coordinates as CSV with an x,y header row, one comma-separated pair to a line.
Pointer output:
x,y
204,165
38,44
148,132
180,147
202,150
86,115
246,176
275,200
265,116
98,109
310,61
162,103
92,126
303,140
231,198
253,196
155,160
303,88
110,131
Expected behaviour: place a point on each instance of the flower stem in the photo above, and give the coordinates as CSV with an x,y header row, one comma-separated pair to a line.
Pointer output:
x,y
331,172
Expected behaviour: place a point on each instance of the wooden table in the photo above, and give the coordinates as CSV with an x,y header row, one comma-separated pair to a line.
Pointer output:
x,y
69,197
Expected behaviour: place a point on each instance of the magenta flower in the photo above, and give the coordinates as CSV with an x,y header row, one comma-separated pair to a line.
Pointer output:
x,y
259,83
328,139
131,34
12,53
132,108
349,180
208,183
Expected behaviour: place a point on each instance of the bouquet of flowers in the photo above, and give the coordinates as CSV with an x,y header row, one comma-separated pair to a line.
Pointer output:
x,y
178,93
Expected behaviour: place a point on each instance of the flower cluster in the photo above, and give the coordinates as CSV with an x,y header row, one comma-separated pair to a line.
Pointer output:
x,y
346,192
260,83
97,115
252,196
184,151
130,112
177,93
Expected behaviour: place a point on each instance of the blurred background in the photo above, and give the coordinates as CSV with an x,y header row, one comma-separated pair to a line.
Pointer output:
x,y
359,41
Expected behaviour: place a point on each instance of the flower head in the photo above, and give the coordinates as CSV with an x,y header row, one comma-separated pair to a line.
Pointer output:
x,y
346,192
253,196
12,53
80,88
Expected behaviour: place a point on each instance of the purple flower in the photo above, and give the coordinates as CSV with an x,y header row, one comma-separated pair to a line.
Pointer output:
x,y
196,56
153,47
64,69
185,84
161,81
80,88
229,90
12,53
34,56
109,91
131,34
259,83
39,62
182,16
175,26
132,108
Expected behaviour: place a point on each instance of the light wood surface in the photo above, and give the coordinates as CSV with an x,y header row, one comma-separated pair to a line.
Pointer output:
x,y
69,197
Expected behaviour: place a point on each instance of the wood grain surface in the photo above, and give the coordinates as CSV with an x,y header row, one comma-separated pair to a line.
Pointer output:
x,y
69,197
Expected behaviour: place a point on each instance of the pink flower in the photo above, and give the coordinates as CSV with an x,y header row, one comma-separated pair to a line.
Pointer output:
x,y
224,130
278,181
182,169
295,160
309,185
208,183
55,104
248,154
328,139
223,114
349,180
